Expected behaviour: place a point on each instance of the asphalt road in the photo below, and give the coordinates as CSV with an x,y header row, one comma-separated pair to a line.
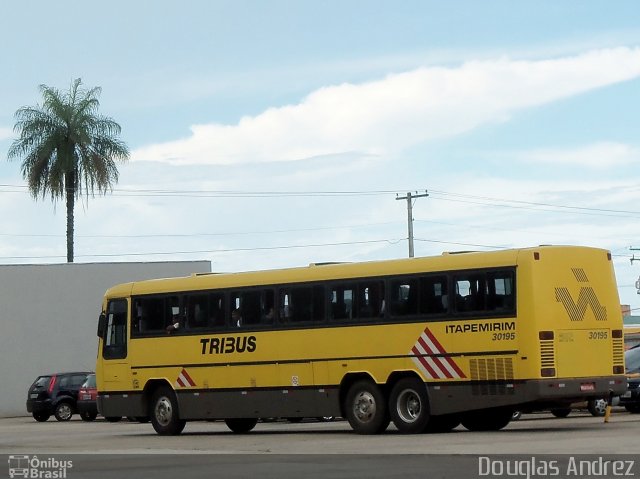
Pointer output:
x,y
311,449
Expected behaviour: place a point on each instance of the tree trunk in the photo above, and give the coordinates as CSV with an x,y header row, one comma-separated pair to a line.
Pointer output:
x,y
70,186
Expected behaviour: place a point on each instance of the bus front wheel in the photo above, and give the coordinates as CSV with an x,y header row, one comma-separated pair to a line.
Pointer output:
x,y
409,406
164,412
366,408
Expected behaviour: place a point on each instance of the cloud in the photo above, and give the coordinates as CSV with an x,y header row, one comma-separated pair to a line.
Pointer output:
x,y
5,133
602,155
388,115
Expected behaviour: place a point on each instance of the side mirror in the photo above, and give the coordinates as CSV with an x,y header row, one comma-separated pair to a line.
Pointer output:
x,y
102,323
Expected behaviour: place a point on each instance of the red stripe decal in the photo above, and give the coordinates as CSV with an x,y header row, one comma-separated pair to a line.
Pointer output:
x,y
441,350
438,362
188,378
424,362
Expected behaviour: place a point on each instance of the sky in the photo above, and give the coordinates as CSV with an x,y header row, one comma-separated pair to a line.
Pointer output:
x,y
282,133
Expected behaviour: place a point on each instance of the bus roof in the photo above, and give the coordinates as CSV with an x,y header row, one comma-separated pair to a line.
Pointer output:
x,y
328,271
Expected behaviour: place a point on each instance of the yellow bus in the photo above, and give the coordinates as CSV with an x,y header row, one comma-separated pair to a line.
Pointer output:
x,y
427,343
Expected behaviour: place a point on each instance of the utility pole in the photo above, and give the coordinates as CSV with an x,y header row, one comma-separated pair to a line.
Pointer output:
x,y
409,197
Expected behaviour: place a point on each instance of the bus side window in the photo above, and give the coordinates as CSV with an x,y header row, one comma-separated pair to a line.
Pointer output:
x,y
197,307
216,310
246,306
148,315
341,302
404,297
433,295
267,307
370,300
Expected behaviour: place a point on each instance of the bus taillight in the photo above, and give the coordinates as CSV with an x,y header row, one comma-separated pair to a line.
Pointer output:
x,y
545,335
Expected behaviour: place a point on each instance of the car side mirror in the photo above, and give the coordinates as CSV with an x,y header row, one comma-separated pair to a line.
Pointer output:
x,y
102,322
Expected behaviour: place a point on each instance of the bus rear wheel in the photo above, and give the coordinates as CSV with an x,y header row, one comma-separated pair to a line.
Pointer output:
x,y
164,412
409,406
366,408
241,425
487,419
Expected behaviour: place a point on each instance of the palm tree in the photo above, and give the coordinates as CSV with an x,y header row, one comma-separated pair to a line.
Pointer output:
x,y
67,148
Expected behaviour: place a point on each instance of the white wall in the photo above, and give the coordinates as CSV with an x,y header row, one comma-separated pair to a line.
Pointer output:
x,y
49,317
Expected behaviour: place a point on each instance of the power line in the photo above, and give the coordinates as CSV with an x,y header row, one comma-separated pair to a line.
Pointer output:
x,y
439,194
212,251
190,235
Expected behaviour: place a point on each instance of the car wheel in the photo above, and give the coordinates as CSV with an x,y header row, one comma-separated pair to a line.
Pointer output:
x,y
63,411
88,416
597,407
41,416
165,416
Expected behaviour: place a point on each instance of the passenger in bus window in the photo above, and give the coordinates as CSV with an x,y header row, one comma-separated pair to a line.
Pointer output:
x,y
175,320
270,315
236,318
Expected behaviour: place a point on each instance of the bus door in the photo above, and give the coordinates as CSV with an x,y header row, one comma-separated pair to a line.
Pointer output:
x,y
114,345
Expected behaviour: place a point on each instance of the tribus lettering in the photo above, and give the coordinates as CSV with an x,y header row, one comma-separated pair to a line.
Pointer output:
x,y
229,344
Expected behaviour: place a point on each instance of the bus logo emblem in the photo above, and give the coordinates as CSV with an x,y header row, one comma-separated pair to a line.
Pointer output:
x,y
587,298
432,359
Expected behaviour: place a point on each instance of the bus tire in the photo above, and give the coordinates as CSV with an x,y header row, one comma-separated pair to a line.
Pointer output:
x,y
561,412
241,425
487,419
409,406
445,423
366,408
165,416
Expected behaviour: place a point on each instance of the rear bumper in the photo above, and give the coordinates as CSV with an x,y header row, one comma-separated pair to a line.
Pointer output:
x,y
580,388
38,406
530,394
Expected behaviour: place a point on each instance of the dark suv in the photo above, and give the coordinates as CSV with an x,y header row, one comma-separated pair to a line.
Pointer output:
x,y
55,394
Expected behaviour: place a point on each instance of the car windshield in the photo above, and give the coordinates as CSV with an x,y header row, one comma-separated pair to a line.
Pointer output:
x,y
90,382
632,360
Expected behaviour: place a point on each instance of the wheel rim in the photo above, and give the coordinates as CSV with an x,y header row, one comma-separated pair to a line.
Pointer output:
x,y
409,406
364,406
64,412
600,406
163,411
